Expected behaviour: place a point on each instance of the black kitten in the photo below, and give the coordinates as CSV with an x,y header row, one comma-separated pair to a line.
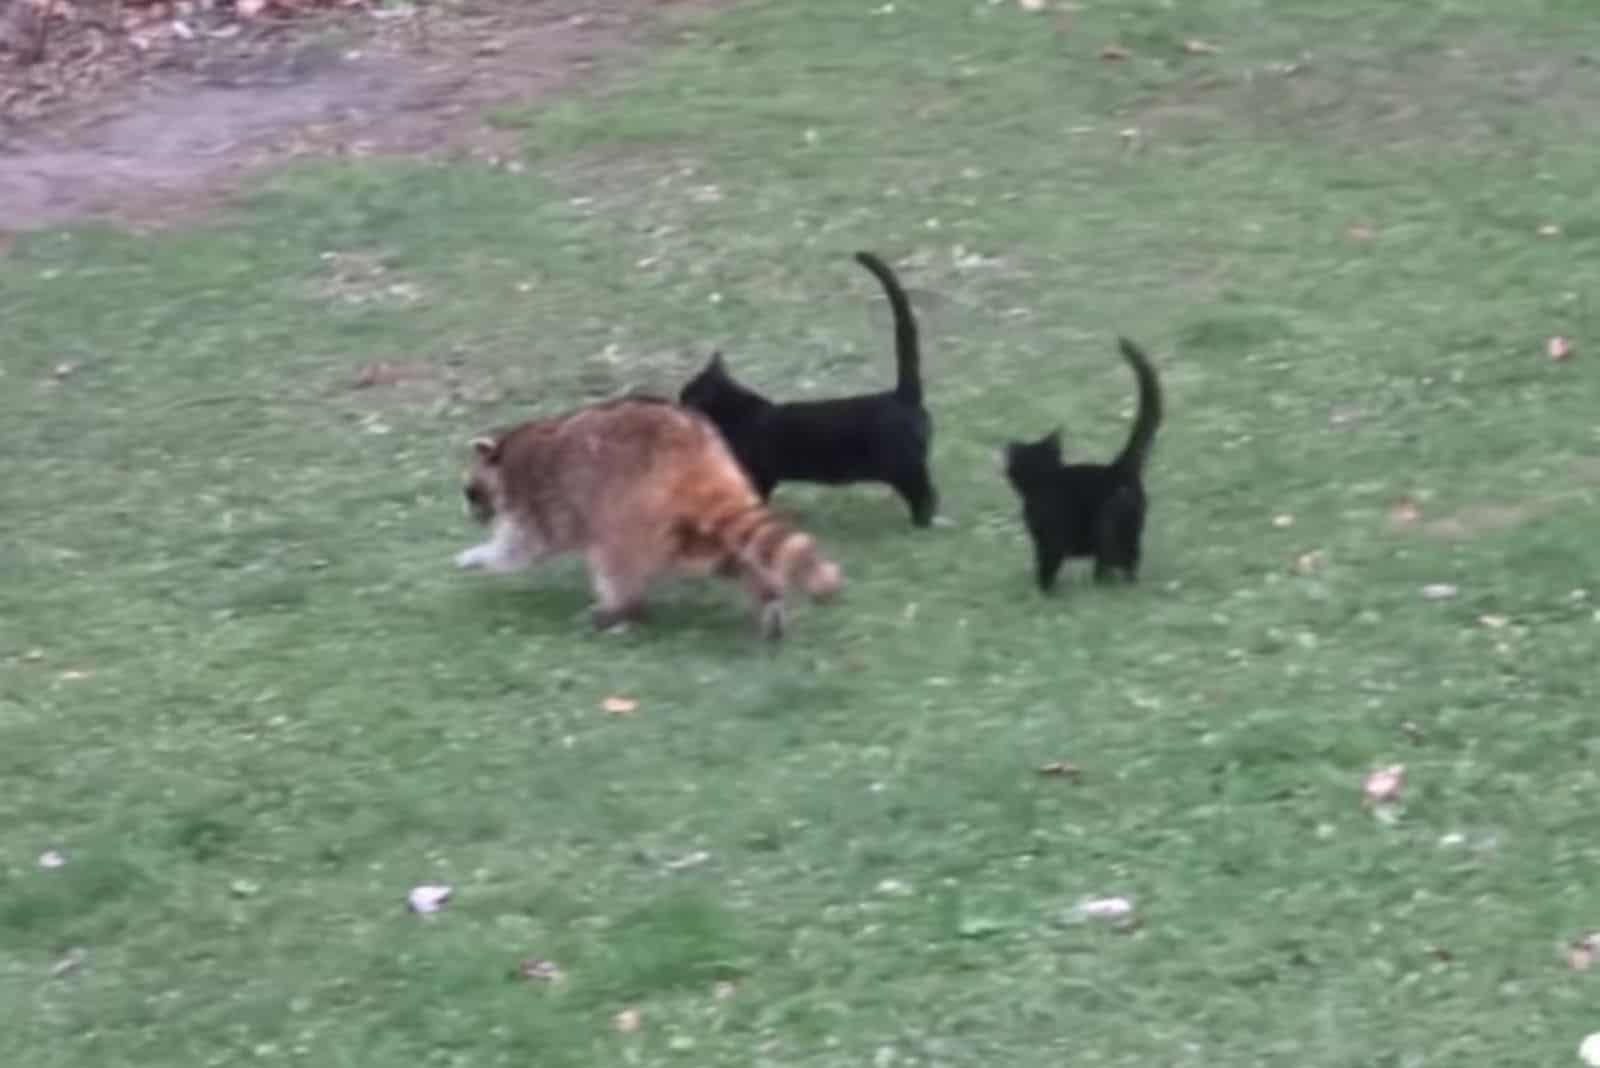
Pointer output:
x,y
878,437
1088,509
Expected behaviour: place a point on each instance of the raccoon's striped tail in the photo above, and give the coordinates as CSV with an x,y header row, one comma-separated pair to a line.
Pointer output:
x,y
783,556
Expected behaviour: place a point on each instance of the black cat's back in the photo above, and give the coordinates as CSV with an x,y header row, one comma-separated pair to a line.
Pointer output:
x,y
873,437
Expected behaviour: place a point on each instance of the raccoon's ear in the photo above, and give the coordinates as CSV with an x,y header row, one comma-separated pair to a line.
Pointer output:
x,y
484,448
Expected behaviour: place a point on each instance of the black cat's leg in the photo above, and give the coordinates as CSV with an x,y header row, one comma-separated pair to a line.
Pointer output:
x,y
1132,538
1116,542
1131,548
916,488
1047,565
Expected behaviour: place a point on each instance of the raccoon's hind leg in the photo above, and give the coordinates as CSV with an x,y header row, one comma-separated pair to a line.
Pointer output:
x,y
621,574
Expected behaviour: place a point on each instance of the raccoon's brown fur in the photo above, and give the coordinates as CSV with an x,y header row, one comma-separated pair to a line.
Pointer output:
x,y
641,487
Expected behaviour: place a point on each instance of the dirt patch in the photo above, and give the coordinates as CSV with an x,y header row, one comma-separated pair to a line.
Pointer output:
x,y
167,137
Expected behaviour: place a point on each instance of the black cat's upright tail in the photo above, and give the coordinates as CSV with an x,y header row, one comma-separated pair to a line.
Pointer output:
x,y
1137,450
907,354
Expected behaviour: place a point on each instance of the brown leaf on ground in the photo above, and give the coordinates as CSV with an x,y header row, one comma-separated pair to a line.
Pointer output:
x,y
1558,348
1405,512
1115,52
536,970
1062,769
627,1021
388,374
1309,563
1196,47
1581,953
619,706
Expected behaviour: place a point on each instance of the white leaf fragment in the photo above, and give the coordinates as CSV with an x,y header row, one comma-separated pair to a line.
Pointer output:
x,y
1383,786
427,899
1105,908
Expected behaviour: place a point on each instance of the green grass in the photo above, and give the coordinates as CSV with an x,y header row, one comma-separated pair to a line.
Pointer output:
x,y
245,695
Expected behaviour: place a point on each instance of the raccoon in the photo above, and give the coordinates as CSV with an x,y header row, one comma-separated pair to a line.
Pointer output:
x,y
643,488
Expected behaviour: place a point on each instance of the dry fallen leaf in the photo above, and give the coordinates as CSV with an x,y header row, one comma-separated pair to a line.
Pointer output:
x,y
1106,908
1062,769
1494,622
69,963
1440,591
627,1021
1032,5
688,860
619,706
1114,51
50,860
1283,522
1549,230
1196,47
1405,512
1116,912
1558,348
1441,954
387,374
1581,954
427,899
723,991
1383,786
1309,563
536,970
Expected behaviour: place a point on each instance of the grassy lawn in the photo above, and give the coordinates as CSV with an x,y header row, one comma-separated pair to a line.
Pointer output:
x,y
246,697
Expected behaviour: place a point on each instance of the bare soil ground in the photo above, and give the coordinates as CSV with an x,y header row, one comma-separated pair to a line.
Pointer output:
x,y
166,127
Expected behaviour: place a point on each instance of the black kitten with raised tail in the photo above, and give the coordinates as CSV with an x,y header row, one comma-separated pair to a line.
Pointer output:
x,y
1088,509
876,437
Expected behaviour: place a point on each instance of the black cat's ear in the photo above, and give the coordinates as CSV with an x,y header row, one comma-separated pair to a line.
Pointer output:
x,y
1053,439
716,363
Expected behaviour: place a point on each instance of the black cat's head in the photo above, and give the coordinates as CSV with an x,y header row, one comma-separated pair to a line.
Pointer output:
x,y
715,392
1026,461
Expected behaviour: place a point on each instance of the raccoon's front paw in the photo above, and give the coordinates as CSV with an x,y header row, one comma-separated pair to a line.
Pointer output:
x,y
474,558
